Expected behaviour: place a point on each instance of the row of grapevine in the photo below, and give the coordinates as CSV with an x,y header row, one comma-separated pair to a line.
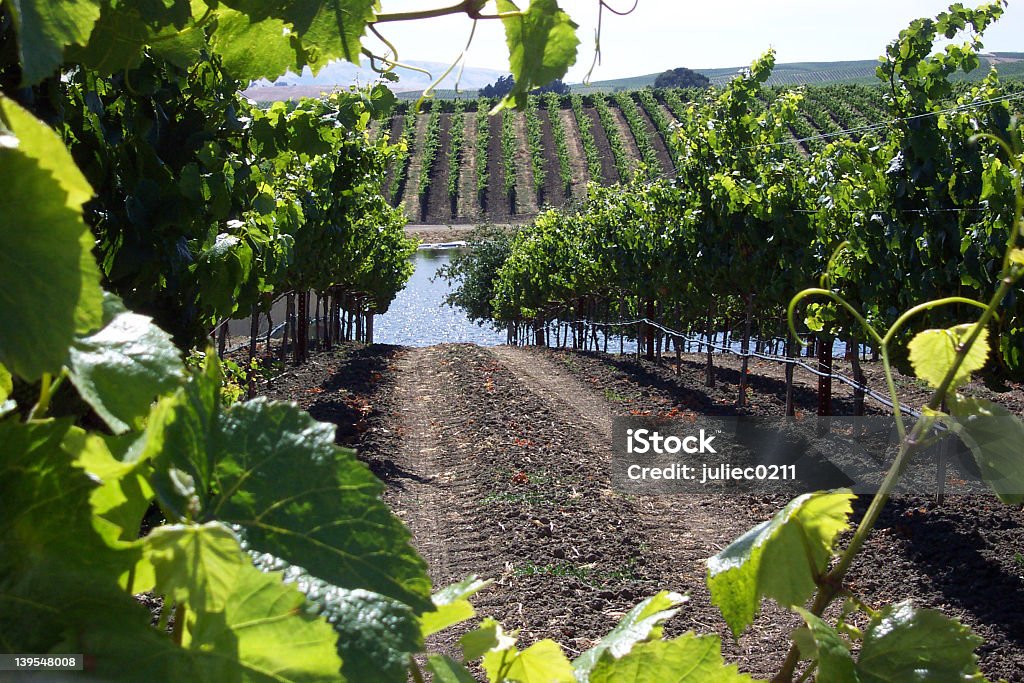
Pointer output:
x,y
456,148
509,152
553,105
483,141
535,143
407,140
623,164
638,127
662,122
431,145
590,151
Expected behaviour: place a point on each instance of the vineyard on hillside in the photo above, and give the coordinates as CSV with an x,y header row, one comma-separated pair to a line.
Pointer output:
x,y
617,134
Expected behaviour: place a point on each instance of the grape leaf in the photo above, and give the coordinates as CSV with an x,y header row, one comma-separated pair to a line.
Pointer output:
x,y
453,606
236,34
820,641
44,27
120,502
906,644
195,564
542,46
932,353
487,636
276,472
56,573
686,658
778,558
447,670
642,623
994,436
122,368
6,387
49,281
264,633
542,662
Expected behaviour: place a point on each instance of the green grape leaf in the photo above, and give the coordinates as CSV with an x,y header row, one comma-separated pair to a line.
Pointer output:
x,y
1017,256
994,436
542,662
542,46
820,641
123,32
56,574
376,635
447,670
453,606
6,387
642,623
487,636
303,499
932,353
222,271
778,558
121,501
236,34
45,27
6,383
49,281
195,564
264,632
906,644
122,368
276,472
326,29
688,658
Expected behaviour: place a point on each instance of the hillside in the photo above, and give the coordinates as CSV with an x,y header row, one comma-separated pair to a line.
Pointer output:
x,y
505,168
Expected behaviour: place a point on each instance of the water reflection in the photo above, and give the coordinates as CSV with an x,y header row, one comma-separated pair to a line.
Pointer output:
x,y
419,317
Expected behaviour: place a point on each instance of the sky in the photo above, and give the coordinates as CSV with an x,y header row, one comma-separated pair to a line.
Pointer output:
x,y
698,34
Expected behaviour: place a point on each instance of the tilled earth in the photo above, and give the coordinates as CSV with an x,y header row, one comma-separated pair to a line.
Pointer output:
x,y
498,462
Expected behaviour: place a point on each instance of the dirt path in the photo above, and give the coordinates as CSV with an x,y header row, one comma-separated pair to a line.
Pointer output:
x,y
422,479
497,461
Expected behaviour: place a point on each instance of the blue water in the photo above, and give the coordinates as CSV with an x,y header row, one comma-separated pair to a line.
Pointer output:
x,y
419,317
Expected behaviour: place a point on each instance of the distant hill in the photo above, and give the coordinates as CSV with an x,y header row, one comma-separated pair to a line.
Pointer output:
x,y
342,74
810,73
412,83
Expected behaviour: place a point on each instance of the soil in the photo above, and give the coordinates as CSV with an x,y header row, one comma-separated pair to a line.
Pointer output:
x,y
609,174
554,189
468,209
410,193
497,461
526,191
577,157
437,205
664,158
626,135
497,200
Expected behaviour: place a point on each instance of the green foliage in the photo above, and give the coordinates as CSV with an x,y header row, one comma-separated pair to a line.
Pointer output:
x,y
590,150
533,138
47,257
431,143
780,558
681,77
554,106
472,273
638,127
686,658
483,140
623,164
933,353
456,148
509,154
542,45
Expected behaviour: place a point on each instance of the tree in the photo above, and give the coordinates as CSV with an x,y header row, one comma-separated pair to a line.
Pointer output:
x,y
504,85
681,77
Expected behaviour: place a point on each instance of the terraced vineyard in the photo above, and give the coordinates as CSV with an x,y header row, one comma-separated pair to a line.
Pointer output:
x,y
619,135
